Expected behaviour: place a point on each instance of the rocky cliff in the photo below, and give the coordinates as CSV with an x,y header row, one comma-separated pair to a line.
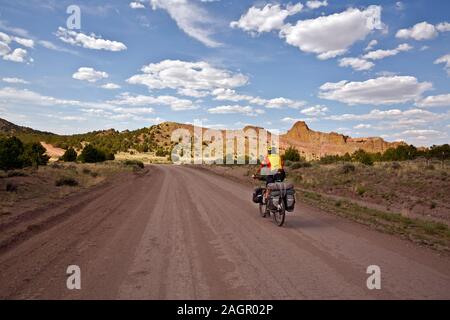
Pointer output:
x,y
313,144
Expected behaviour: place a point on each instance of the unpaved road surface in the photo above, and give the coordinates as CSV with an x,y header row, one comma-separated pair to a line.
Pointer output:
x,y
181,233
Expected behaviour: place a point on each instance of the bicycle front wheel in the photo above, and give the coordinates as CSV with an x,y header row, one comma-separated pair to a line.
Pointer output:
x,y
279,215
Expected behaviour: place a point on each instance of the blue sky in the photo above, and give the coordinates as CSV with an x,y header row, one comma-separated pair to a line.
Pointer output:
x,y
362,68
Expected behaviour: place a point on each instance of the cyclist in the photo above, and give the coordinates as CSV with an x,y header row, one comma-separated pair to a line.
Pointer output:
x,y
271,169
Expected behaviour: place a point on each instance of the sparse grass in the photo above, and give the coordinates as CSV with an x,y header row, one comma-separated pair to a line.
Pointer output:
x,y
146,157
66,181
11,187
392,185
300,164
360,190
11,174
433,234
134,163
347,168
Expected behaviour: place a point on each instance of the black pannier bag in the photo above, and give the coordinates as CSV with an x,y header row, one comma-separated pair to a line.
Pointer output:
x,y
287,192
258,195
290,200
274,200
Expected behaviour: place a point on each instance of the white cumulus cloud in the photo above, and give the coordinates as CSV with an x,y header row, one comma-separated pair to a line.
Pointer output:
x,y
265,19
379,91
331,36
445,60
91,41
356,63
176,74
381,54
423,31
89,74
137,5
15,81
314,111
315,4
194,20
111,86
442,100
233,109
18,55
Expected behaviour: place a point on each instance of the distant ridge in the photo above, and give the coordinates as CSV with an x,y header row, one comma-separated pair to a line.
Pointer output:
x,y
9,128
311,144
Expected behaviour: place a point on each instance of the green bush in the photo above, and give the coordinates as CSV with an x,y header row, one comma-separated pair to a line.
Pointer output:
x,y
91,154
161,153
69,156
360,190
363,157
11,153
291,154
34,155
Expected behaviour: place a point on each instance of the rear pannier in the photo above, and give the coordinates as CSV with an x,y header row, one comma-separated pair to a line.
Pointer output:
x,y
290,200
274,200
287,192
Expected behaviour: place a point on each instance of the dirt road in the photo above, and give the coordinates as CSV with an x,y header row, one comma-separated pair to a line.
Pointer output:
x,y
182,233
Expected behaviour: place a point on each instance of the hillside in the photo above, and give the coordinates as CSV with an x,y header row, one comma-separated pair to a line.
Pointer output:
x,y
8,128
157,138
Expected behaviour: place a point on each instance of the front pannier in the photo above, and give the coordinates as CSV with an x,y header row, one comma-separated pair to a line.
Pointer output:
x,y
258,195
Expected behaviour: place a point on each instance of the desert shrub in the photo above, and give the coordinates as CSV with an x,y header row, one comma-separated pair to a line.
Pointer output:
x,y
395,165
55,165
300,164
137,163
91,154
16,174
66,181
347,168
329,159
11,151
288,163
34,155
291,154
11,187
360,190
440,152
69,156
363,157
400,153
110,156
161,153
